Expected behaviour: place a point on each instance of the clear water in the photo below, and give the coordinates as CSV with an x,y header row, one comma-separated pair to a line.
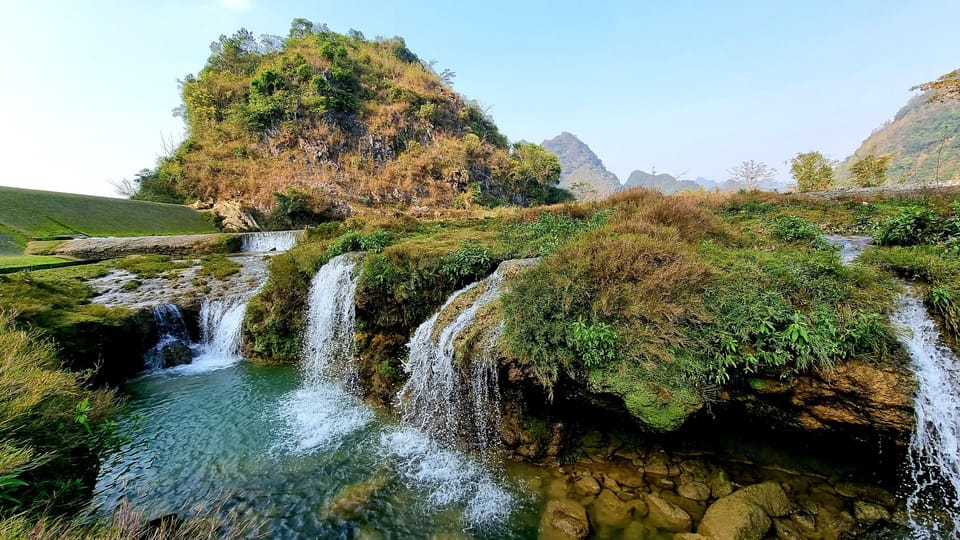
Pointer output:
x,y
254,441
934,454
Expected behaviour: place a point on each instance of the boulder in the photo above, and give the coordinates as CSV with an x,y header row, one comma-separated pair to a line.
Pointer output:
x,y
869,513
690,536
695,491
734,518
720,485
636,531
665,515
609,510
564,519
769,496
586,486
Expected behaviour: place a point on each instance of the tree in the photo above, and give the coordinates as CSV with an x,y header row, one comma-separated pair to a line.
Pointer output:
x,y
812,171
583,190
533,172
753,174
945,88
871,170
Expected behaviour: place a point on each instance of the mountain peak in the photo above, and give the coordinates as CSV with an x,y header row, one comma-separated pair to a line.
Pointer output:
x,y
581,171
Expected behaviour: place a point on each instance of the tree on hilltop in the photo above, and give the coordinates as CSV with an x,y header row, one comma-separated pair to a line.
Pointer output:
x,y
945,88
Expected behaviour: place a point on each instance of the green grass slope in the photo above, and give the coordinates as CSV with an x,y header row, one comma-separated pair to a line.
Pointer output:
x,y
27,214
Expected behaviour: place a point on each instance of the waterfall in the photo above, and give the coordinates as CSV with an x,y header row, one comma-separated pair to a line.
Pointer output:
x,y
331,321
437,395
322,413
934,453
173,339
170,324
264,242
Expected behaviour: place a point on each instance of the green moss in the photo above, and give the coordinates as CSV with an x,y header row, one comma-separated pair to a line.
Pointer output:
x,y
659,408
218,266
150,266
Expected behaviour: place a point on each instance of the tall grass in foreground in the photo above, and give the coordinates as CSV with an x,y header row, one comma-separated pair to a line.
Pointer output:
x,y
127,523
51,427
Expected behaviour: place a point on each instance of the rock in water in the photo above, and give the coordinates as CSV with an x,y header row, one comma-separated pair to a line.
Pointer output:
x,y
564,519
666,515
609,510
734,518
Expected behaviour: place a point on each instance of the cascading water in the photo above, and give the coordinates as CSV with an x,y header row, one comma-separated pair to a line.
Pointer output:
x,y
934,453
331,321
433,397
173,338
265,242
321,413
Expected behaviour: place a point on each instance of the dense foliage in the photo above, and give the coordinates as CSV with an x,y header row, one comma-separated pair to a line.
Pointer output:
x,y
346,121
923,140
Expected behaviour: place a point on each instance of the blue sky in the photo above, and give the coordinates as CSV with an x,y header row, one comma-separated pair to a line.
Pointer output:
x,y
685,86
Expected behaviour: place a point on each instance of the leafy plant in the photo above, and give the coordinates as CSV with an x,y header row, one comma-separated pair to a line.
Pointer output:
x,y
913,226
792,229
360,241
595,343
470,260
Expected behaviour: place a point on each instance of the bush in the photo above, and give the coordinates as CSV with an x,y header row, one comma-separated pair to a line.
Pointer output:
x,y
793,229
911,227
472,259
359,241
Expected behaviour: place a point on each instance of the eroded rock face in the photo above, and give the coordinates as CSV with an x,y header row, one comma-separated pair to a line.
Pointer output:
x,y
853,395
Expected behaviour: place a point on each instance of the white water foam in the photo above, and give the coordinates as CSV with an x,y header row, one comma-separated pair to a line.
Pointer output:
x,y
448,476
321,413
221,325
265,242
934,453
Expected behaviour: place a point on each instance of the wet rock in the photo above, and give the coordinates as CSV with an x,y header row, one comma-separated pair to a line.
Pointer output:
x,y
610,483
734,518
874,494
694,508
586,486
787,530
805,522
690,536
636,531
629,477
353,498
720,485
176,353
639,508
557,488
609,510
665,483
659,464
666,515
695,491
869,513
564,519
769,496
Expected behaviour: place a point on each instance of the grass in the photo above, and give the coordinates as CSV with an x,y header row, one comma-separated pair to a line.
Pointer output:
x,y
46,444
15,263
27,214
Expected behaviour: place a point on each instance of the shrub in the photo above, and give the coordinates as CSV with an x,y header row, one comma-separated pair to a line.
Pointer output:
x,y
913,226
359,241
793,229
471,260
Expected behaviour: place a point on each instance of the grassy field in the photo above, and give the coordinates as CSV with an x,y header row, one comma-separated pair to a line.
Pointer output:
x,y
11,263
27,214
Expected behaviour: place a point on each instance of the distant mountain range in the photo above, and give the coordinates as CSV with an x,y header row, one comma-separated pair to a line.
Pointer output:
x,y
924,139
585,176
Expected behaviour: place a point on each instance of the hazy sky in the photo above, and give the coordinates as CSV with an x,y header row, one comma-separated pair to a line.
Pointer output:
x,y
685,86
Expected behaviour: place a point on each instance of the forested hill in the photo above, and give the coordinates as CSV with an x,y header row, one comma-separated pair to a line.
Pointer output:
x,y
921,134
582,172
326,123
